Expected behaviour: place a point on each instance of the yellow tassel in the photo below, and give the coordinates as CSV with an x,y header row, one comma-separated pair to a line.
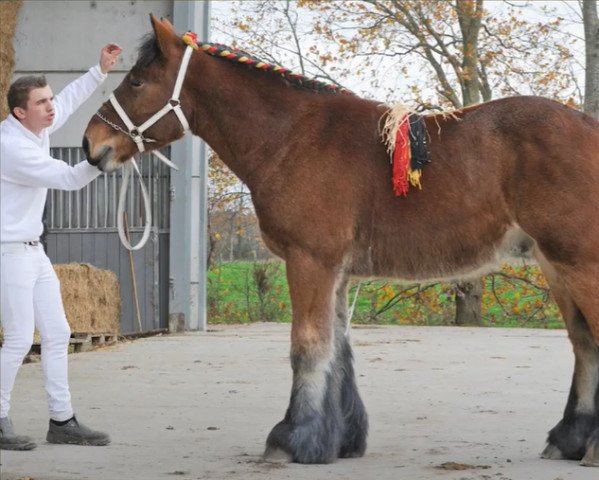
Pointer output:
x,y
414,176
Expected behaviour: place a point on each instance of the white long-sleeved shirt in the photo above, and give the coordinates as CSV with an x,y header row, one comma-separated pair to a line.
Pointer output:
x,y
27,170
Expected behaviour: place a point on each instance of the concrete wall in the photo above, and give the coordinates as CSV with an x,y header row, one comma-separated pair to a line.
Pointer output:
x,y
62,39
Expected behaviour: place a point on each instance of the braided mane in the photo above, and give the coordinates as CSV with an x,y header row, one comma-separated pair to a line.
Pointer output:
x,y
149,52
296,79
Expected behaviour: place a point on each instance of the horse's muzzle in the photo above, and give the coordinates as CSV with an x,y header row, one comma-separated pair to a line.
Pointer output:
x,y
98,160
85,145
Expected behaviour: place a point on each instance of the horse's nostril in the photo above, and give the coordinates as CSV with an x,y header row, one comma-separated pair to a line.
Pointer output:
x,y
85,146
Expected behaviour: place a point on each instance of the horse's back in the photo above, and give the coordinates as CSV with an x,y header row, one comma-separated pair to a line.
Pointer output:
x,y
512,165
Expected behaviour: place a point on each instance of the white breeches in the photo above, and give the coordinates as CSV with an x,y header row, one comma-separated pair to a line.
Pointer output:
x,y
30,297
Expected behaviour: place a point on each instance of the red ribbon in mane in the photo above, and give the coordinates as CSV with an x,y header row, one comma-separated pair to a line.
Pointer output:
x,y
401,159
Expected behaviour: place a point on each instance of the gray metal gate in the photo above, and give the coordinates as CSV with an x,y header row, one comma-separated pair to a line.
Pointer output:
x,y
82,227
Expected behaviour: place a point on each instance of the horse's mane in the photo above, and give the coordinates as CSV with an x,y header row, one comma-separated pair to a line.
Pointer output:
x,y
296,79
149,52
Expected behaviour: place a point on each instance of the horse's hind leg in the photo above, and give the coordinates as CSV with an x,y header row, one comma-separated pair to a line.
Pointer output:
x,y
312,429
576,436
355,419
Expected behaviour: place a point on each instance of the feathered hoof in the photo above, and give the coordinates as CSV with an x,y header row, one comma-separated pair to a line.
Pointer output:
x,y
551,452
276,455
314,441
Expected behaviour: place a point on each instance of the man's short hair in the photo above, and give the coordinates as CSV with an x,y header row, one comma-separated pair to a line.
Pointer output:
x,y
18,93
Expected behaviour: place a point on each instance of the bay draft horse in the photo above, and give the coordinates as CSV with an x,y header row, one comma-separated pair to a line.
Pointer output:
x,y
319,175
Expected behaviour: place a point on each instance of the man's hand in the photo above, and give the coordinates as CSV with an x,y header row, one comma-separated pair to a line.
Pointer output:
x,y
108,57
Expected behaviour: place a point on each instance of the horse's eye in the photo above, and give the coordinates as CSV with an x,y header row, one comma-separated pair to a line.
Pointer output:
x,y
135,83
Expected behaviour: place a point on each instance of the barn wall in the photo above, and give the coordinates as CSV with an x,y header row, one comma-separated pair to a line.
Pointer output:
x,y
62,39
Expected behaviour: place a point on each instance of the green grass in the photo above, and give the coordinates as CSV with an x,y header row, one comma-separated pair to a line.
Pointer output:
x,y
234,298
517,297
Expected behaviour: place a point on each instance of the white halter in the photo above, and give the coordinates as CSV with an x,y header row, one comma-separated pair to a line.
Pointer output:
x,y
136,134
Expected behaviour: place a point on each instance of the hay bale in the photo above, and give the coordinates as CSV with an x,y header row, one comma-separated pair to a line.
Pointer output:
x,y
9,12
91,298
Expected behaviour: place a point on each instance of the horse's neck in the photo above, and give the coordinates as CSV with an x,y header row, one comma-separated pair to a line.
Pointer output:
x,y
244,115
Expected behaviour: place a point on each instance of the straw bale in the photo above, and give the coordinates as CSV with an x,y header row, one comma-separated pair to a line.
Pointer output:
x,y
9,12
91,297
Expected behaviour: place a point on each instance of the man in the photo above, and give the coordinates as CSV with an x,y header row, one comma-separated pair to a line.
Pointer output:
x,y
30,291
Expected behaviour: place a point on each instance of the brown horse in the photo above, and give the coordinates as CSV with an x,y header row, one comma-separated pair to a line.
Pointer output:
x,y
501,173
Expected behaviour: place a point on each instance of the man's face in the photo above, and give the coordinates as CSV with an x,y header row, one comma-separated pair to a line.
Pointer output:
x,y
39,113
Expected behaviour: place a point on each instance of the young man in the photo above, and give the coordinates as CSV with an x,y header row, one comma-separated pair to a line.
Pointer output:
x,y
30,291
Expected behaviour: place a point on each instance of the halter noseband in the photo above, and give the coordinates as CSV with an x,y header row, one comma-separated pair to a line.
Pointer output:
x,y
136,133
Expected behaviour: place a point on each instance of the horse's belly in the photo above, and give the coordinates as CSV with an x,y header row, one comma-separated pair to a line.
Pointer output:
x,y
443,262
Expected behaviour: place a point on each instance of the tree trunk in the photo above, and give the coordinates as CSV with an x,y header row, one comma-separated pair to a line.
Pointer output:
x,y
469,17
468,302
468,296
591,40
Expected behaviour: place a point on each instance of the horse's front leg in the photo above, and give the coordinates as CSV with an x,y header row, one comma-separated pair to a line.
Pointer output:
x,y
312,430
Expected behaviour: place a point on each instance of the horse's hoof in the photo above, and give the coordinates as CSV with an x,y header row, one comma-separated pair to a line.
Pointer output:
x,y
276,455
594,462
551,452
591,457
314,441
356,454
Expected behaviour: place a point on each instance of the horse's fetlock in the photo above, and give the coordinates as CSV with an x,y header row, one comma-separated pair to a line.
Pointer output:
x,y
570,437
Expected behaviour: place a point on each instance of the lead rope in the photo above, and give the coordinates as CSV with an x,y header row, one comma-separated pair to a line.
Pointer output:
x,y
128,168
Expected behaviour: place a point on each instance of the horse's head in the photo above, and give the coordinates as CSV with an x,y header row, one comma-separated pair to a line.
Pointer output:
x,y
112,137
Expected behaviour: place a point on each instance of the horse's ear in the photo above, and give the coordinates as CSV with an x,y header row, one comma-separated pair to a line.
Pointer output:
x,y
165,34
167,22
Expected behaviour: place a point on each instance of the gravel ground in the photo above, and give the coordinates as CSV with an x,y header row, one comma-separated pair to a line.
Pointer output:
x,y
444,403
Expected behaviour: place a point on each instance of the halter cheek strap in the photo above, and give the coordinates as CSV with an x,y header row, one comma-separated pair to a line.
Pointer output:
x,y
136,133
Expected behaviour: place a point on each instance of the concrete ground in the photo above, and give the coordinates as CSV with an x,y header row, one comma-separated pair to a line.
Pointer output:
x,y
199,406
